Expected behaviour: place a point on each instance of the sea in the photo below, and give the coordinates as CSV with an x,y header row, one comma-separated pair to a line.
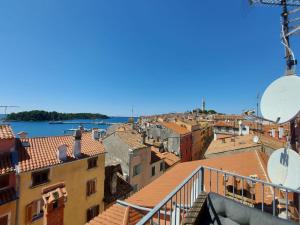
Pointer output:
x,y
42,129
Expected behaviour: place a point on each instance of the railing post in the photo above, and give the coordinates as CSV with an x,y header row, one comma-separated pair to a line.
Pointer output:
x,y
201,180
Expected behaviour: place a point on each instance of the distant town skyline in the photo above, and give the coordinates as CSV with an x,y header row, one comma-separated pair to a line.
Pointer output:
x,y
157,56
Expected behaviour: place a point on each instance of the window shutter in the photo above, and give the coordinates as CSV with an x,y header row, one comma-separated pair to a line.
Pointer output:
x,y
88,215
93,186
97,210
29,211
88,188
4,220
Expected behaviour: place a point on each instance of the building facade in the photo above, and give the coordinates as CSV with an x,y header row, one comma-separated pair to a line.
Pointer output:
x,y
51,180
8,194
128,148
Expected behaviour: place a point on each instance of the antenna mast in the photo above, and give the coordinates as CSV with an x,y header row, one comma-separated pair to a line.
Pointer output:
x,y
287,30
5,108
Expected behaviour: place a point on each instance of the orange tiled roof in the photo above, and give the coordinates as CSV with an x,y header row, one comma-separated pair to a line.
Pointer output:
x,y
131,138
170,159
6,132
6,165
249,163
272,142
175,127
217,146
224,124
42,150
156,155
113,215
118,215
246,164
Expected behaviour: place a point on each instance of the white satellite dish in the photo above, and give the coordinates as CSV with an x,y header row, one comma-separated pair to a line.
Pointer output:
x,y
284,167
255,139
280,102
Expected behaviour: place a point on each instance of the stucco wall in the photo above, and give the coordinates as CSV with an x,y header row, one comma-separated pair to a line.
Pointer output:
x,y
186,147
140,156
158,173
116,148
75,176
201,140
10,210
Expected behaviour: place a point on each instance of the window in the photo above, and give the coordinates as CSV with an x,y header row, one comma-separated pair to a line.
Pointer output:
x,y
153,171
91,187
161,168
135,188
55,204
4,181
92,163
34,210
92,212
4,220
40,177
137,169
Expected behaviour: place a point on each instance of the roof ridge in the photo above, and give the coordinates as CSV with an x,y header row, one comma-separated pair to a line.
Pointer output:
x,y
54,136
263,169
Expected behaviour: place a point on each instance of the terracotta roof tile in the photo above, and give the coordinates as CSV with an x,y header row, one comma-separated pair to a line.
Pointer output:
x,y
272,142
42,150
6,132
6,165
246,164
217,146
175,127
170,159
113,215
131,138
156,155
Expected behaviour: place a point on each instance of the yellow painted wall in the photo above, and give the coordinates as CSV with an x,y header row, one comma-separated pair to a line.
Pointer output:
x,y
10,209
75,175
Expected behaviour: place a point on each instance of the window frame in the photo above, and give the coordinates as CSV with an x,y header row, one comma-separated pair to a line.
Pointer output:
x,y
91,190
161,166
94,210
8,215
153,170
32,215
7,176
136,172
35,173
92,163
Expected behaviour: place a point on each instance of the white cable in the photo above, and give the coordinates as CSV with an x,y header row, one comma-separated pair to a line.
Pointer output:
x,y
285,43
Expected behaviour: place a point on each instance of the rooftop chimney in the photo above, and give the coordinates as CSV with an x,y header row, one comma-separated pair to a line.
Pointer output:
x,y
95,134
77,143
144,137
23,134
62,152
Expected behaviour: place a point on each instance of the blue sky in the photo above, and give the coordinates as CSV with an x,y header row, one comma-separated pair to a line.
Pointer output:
x,y
159,56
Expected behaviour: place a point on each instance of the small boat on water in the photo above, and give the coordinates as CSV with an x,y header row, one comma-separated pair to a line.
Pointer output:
x,y
56,122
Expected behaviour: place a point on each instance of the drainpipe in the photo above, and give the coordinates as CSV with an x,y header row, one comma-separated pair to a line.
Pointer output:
x,y
18,195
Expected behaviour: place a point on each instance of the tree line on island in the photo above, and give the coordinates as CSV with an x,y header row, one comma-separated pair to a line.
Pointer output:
x,y
40,115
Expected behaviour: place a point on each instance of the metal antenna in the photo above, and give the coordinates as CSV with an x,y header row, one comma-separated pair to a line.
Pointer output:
x,y
7,106
287,30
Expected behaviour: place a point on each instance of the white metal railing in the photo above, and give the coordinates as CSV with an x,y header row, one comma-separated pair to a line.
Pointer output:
x,y
175,205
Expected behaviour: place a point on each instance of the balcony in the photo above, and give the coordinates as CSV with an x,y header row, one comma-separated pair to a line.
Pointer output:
x,y
193,200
